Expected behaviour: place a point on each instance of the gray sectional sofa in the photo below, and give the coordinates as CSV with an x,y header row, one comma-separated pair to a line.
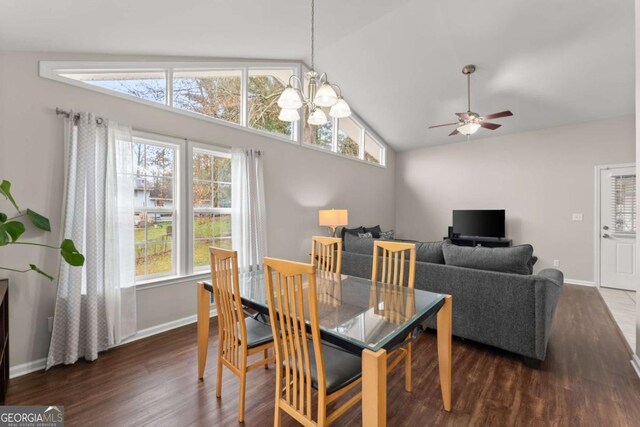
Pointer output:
x,y
510,310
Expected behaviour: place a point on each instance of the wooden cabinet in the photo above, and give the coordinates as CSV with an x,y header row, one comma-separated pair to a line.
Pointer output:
x,y
4,338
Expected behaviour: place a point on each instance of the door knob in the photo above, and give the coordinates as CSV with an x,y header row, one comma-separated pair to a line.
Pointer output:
x,y
605,236
606,227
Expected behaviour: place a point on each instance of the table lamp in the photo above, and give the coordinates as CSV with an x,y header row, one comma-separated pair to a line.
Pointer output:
x,y
333,218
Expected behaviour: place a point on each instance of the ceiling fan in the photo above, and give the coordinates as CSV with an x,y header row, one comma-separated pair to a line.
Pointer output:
x,y
468,123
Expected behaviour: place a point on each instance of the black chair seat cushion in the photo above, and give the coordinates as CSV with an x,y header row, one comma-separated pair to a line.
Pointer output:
x,y
341,368
257,332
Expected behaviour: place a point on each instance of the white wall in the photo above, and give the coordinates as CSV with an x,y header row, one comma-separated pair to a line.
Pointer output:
x,y
298,181
637,24
539,177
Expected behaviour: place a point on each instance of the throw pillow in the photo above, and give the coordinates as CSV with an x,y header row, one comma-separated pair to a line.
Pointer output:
x,y
353,231
532,262
430,251
387,235
375,231
514,260
365,235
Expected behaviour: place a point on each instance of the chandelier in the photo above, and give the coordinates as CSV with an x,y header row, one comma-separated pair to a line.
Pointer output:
x,y
319,94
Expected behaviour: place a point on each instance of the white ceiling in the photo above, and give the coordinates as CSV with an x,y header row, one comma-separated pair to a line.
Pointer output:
x,y
550,62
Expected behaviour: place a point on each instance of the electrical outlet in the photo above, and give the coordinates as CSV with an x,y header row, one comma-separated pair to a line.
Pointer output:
x,y
556,263
577,217
50,324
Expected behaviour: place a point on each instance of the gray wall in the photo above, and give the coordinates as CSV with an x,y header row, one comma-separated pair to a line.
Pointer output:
x,y
298,181
539,177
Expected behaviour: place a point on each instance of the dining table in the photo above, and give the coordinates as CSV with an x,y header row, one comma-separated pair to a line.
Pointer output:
x,y
360,316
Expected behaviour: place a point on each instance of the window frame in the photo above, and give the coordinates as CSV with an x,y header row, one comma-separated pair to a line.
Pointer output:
x,y
178,146
53,70
215,151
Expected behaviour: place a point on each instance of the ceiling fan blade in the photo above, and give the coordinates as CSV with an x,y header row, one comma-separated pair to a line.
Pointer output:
x,y
498,115
463,116
491,126
455,132
446,124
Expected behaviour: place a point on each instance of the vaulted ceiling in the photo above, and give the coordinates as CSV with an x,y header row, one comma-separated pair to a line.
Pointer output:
x,y
550,62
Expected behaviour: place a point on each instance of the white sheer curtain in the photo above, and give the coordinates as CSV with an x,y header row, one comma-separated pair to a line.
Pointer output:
x,y
248,219
95,304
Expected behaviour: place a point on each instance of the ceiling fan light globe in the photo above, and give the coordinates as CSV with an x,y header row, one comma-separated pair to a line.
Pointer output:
x,y
289,115
325,96
317,117
469,128
289,99
340,109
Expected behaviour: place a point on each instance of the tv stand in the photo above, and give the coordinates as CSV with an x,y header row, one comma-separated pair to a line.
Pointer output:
x,y
488,242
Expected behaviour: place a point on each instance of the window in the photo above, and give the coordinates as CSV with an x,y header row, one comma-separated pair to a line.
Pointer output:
x,y
624,203
349,137
372,149
148,85
155,208
235,93
211,204
213,93
265,87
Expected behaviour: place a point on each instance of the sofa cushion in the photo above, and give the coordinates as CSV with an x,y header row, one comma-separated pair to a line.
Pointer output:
x,y
353,231
375,231
532,262
514,259
430,252
359,245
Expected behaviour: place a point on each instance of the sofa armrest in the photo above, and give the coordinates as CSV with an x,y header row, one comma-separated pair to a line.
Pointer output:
x,y
548,285
555,276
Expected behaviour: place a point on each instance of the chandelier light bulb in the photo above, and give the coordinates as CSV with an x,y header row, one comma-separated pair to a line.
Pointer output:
x,y
340,109
289,99
317,117
289,115
326,96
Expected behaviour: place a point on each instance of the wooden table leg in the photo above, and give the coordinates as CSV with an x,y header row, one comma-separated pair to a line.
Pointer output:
x,y
374,388
204,309
444,351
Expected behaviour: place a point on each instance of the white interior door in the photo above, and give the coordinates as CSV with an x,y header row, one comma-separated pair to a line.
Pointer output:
x,y
618,267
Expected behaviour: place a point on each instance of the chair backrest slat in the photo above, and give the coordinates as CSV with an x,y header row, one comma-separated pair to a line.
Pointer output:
x,y
287,284
391,257
326,255
226,292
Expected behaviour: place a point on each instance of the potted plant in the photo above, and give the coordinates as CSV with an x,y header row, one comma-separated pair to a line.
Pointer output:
x,y
12,227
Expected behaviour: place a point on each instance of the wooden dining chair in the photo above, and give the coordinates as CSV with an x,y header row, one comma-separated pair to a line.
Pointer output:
x,y
326,255
389,270
303,362
238,336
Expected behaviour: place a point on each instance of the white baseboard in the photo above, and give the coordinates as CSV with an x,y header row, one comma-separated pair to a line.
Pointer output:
x,y
27,368
40,364
580,282
635,362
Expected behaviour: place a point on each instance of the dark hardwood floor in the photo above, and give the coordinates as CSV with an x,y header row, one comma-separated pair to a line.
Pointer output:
x,y
587,380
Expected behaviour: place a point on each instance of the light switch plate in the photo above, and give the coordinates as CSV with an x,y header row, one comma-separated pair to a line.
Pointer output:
x,y
556,263
577,217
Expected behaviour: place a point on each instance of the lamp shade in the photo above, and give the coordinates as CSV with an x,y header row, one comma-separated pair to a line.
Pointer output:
x,y
340,110
317,117
289,99
333,217
469,128
289,115
325,96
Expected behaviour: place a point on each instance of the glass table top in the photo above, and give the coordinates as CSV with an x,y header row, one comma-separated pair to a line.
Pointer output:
x,y
356,313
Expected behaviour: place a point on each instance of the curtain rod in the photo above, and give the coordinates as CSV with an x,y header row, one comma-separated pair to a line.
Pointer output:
x,y
76,116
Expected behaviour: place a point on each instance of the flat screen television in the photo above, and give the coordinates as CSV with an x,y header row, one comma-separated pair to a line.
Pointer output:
x,y
479,223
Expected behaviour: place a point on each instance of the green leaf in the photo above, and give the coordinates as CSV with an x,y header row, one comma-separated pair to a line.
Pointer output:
x,y
13,229
37,270
38,220
4,239
5,190
70,254
3,217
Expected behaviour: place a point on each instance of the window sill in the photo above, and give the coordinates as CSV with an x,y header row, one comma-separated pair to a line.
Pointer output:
x,y
171,280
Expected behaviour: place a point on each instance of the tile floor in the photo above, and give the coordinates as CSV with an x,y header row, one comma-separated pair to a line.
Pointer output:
x,y
622,305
